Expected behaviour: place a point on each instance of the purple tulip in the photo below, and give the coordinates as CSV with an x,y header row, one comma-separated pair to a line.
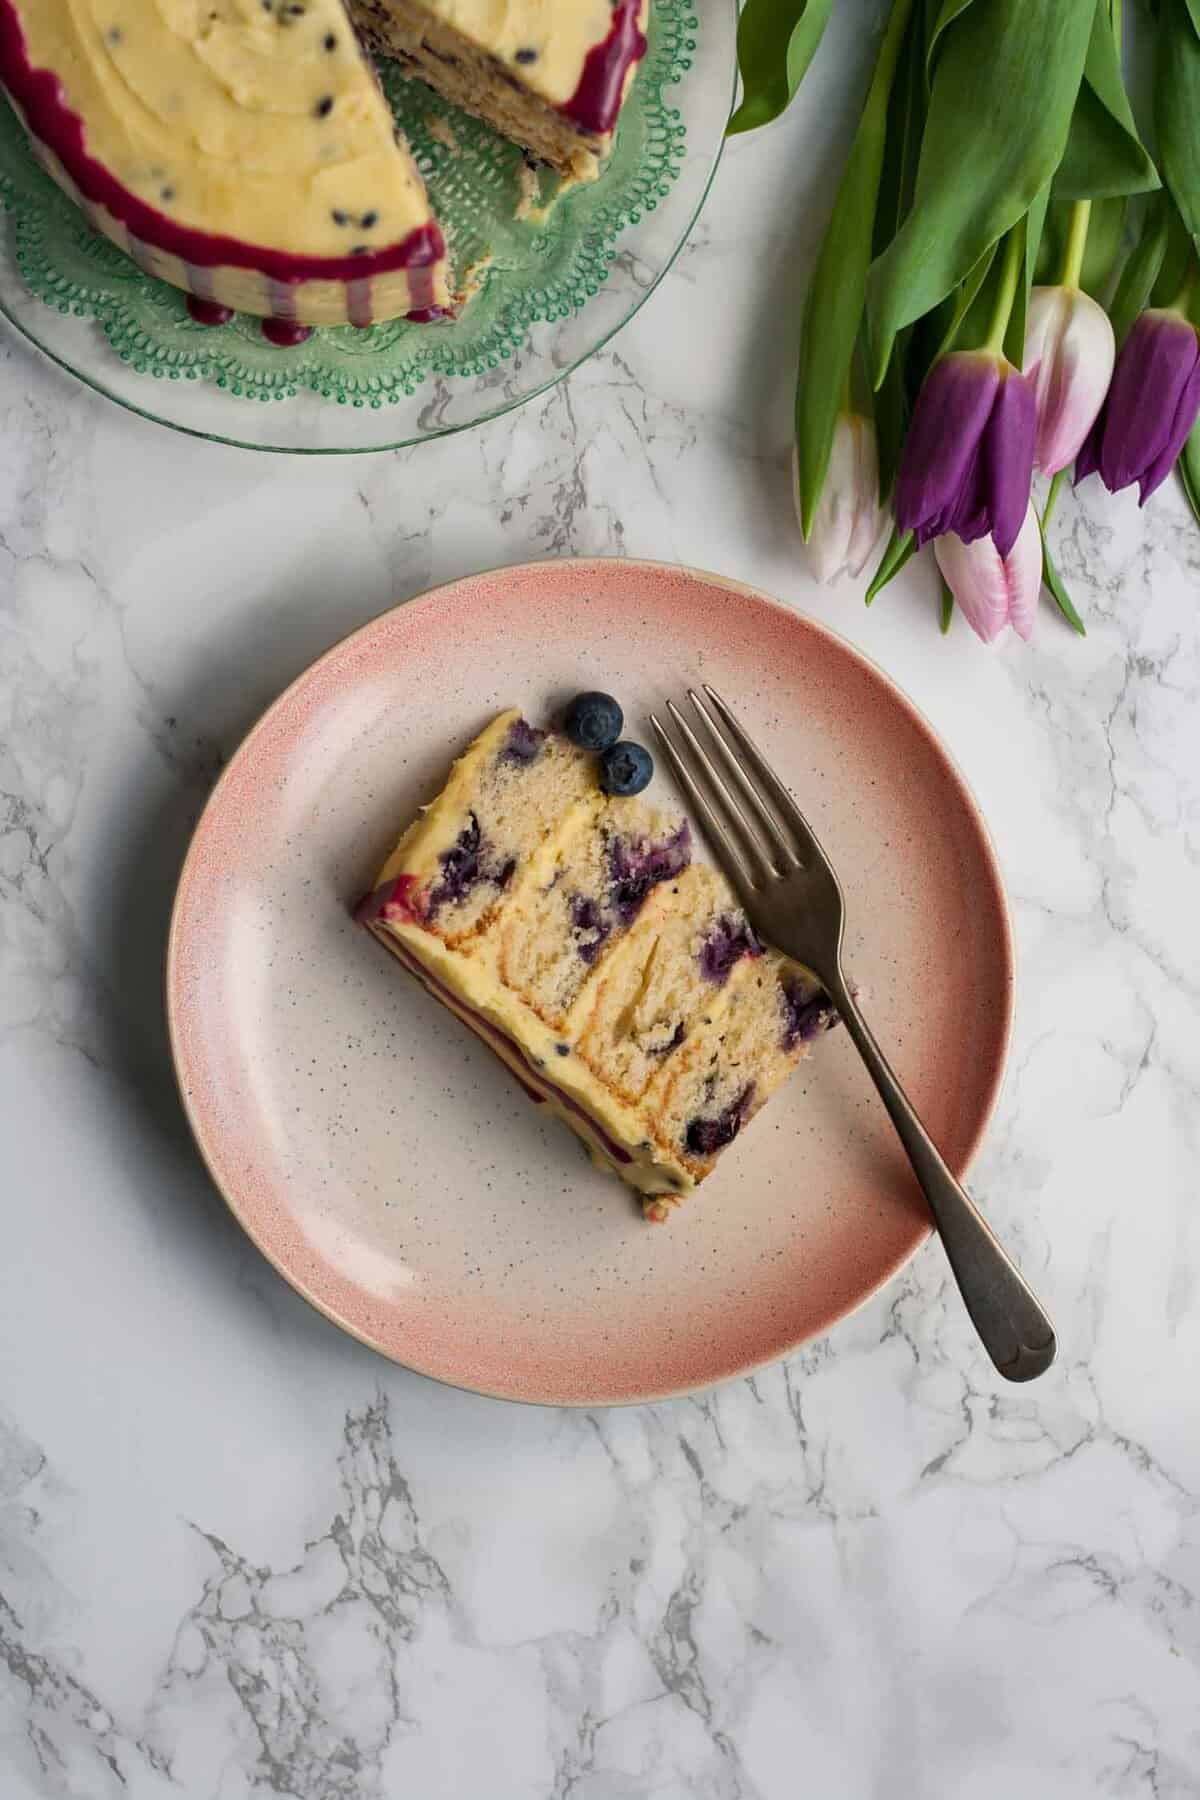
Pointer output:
x,y
967,461
1152,404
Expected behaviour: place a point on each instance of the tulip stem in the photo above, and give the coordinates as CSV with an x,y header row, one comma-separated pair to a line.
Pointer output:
x,y
1077,231
1006,293
1052,491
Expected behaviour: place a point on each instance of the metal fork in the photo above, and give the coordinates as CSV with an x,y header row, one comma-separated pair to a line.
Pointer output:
x,y
794,900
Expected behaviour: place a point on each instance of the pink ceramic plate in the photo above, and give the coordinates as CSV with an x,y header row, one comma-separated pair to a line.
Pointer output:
x,y
383,1160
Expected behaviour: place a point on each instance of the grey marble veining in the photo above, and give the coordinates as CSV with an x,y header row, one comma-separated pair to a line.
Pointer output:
x,y
241,1556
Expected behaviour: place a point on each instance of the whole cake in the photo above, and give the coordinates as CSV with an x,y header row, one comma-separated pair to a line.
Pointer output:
x,y
615,976
243,149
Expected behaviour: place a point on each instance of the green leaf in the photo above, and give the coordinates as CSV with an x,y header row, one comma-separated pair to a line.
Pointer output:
x,y
905,124
1176,259
1141,268
1189,467
776,41
1031,228
1058,593
1104,154
891,423
1051,500
1194,10
949,11
902,150
965,299
834,309
1004,88
947,606
1177,110
900,546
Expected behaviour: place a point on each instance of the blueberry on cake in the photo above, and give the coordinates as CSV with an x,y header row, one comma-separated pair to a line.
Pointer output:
x,y
244,151
614,974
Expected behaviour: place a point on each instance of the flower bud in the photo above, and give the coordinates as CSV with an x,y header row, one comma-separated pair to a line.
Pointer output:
x,y
1069,356
991,590
849,518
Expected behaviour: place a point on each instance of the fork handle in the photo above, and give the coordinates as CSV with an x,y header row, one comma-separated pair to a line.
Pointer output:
x,y
1012,1325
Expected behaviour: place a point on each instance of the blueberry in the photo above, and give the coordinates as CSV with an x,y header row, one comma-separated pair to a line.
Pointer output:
x,y
593,721
728,941
807,1012
704,1137
626,769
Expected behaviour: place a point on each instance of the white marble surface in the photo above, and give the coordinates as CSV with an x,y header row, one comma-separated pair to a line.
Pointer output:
x,y
239,1554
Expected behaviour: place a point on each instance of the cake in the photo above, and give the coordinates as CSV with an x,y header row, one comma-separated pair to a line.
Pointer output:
x,y
612,972
549,76
244,151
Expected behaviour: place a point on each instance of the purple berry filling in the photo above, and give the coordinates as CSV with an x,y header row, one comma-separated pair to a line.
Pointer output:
x,y
523,742
807,1012
586,916
464,865
672,1043
636,866
704,1137
461,869
729,940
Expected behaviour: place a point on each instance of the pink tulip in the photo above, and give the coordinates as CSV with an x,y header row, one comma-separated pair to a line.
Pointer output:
x,y
848,518
1069,356
993,590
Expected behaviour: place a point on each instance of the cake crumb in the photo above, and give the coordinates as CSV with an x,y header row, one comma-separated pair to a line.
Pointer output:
x,y
441,130
531,208
472,280
529,191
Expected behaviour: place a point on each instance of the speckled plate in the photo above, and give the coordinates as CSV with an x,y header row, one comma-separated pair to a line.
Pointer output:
x,y
386,1163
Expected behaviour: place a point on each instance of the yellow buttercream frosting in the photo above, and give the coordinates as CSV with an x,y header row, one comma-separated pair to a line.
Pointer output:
x,y
546,41
260,122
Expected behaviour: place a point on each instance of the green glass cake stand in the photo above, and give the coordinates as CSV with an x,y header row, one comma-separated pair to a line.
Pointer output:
x,y
553,290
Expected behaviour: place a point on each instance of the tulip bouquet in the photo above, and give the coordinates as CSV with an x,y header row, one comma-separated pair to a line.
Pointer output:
x,y
1009,285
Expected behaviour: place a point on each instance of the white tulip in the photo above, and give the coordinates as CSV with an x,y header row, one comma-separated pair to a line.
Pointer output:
x,y
849,518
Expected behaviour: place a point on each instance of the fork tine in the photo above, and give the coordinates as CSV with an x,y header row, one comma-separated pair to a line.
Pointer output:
x,y
728,854
760,854
785,806
780,844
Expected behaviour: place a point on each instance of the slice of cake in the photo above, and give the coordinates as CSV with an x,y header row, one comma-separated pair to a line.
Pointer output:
x,y
617,978
240,149
551,77
244,151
